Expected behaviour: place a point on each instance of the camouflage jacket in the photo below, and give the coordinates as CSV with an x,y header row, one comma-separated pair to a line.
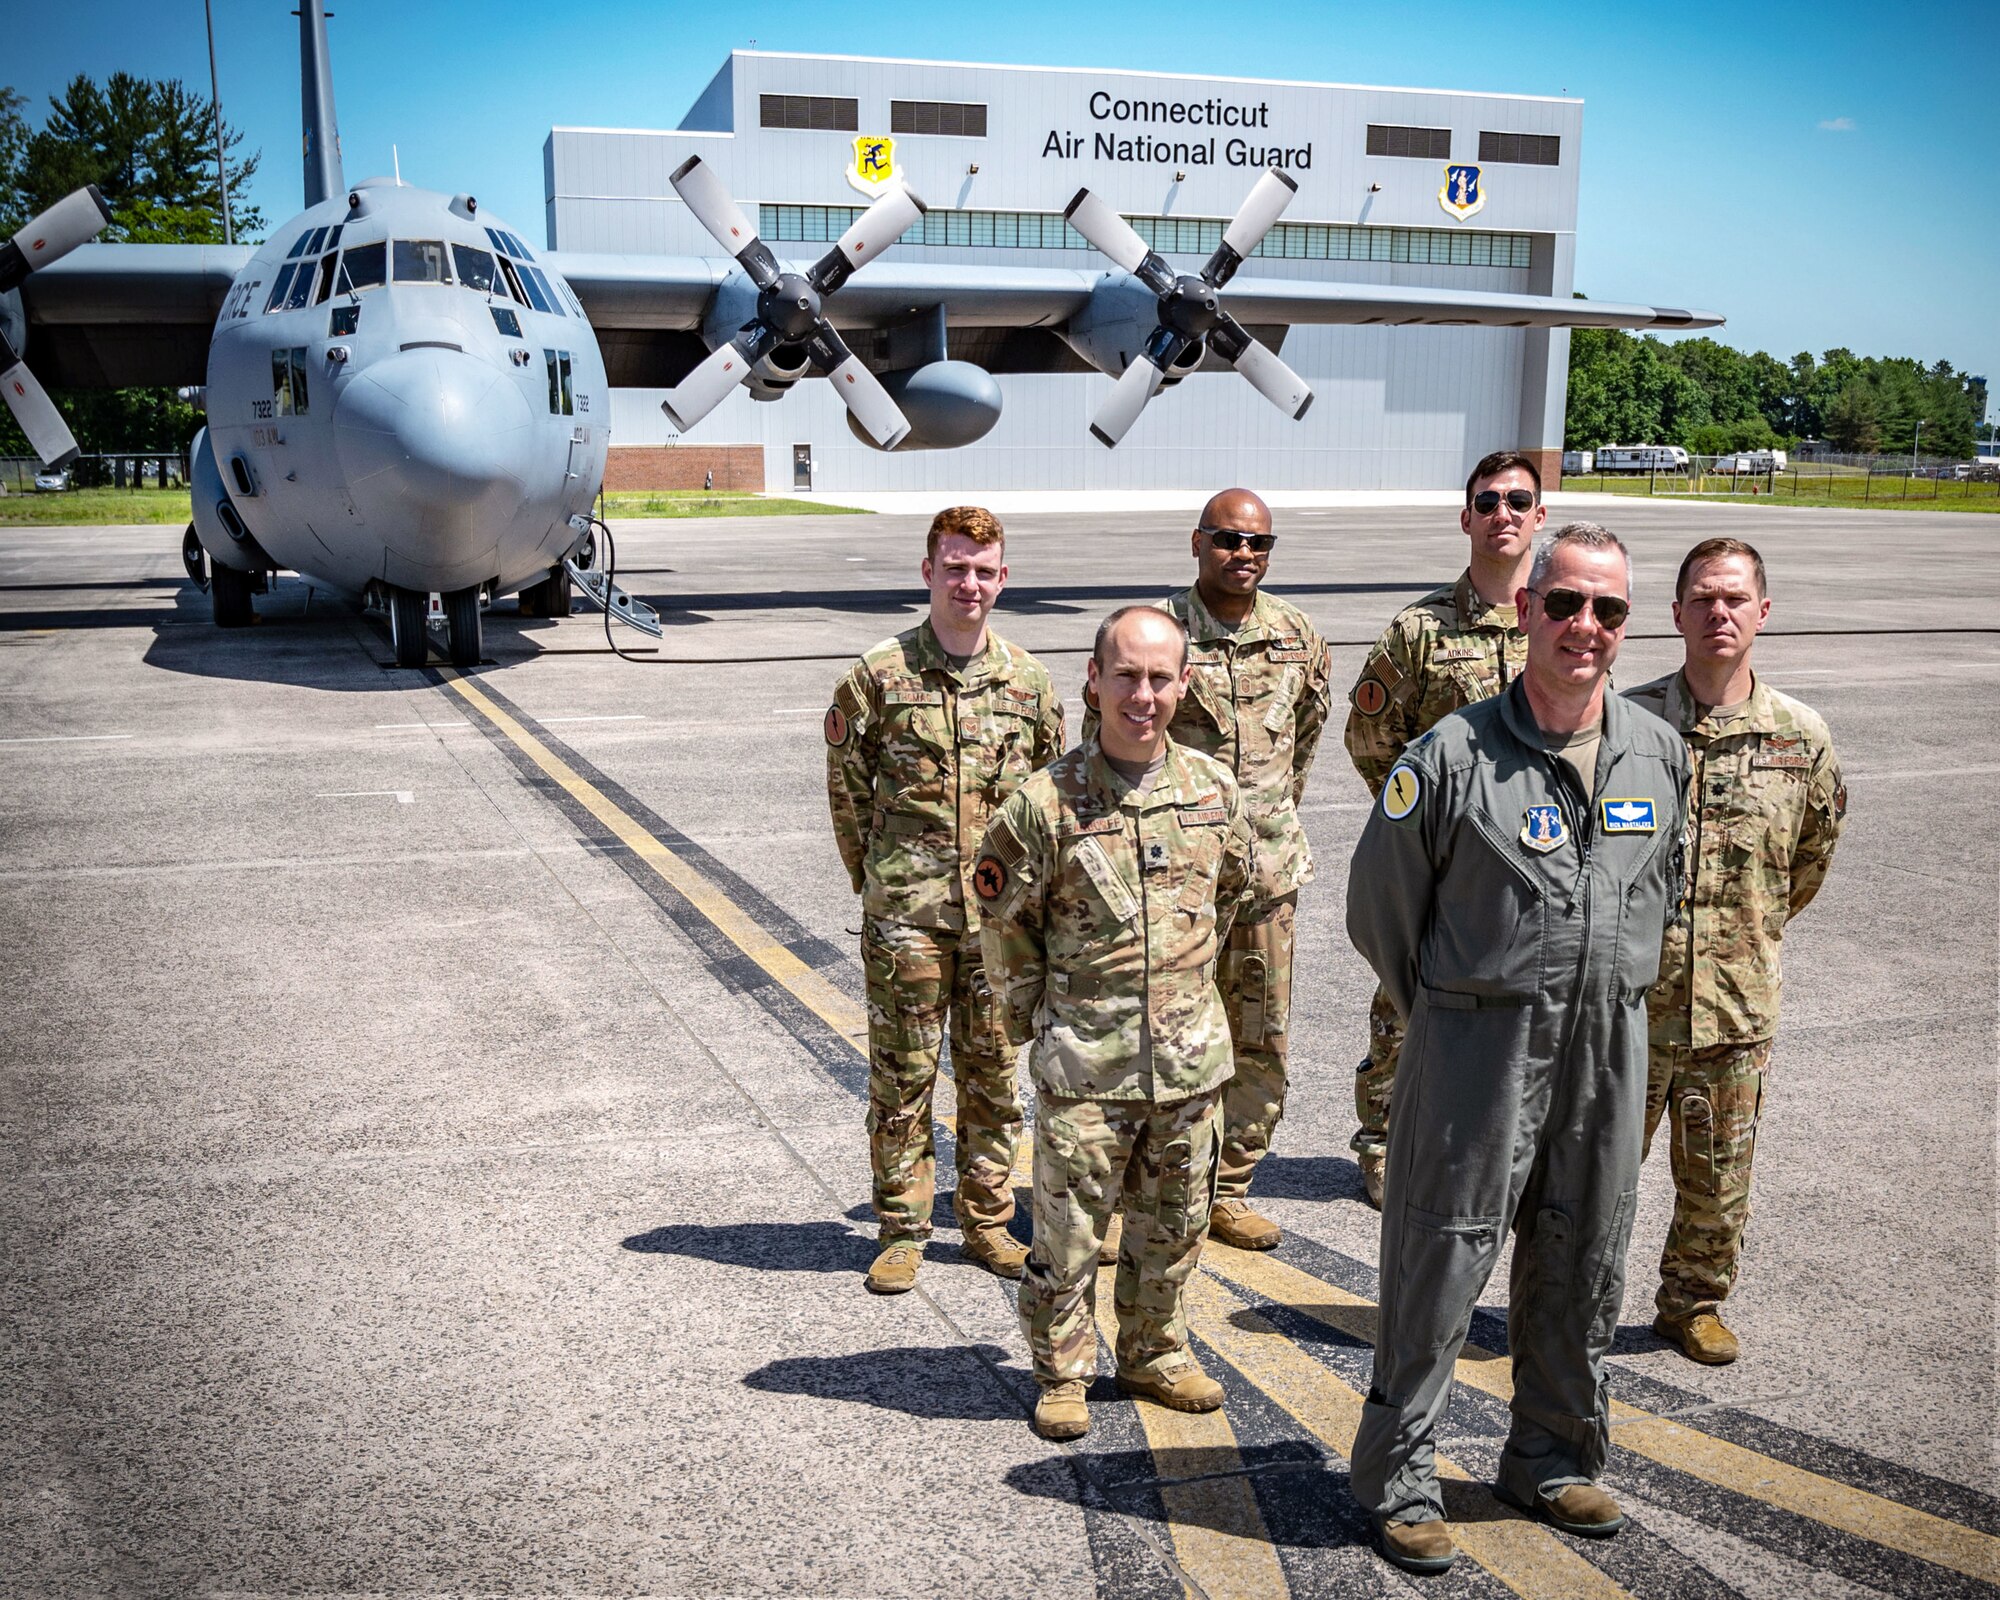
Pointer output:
x,y
1257,703
1445,652
1766,807
1103,914
919,756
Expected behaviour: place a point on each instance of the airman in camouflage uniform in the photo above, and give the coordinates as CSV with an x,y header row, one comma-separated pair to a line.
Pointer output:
x,y
1449,650
1107,901
1766,809
921,750
1257,703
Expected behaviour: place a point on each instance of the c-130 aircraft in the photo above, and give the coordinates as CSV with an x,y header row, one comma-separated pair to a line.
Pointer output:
x,y
404,401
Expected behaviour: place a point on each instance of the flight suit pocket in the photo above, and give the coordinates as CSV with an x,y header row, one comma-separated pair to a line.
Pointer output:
x,y
1442,1263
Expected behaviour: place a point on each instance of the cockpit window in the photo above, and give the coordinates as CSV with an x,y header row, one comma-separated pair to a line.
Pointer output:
x,y
281,288
363,267
318,242
333,235
302,283
521,251
299,248
535,290
475,267
421,261
499,241
327,263
505,320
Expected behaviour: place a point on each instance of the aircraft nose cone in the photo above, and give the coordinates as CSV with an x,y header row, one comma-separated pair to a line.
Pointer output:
x,y
435,430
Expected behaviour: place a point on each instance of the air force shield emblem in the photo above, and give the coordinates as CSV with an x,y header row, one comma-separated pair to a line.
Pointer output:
x,y
1461,194
874,166
1543,830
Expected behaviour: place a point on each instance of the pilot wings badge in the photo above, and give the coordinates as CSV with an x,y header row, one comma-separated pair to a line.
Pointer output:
x,y
1543,829
1461,194
874,166
1627,816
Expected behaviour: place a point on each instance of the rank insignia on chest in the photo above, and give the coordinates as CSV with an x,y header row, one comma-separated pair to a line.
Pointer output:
x,y
1153,855
1543,829
1627,816
968,726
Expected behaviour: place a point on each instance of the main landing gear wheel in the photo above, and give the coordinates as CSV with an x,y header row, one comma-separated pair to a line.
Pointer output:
x,y
461,621
552,597
229,596
407,626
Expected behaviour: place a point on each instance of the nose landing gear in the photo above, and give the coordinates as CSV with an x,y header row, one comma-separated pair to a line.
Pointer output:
x,y
409,626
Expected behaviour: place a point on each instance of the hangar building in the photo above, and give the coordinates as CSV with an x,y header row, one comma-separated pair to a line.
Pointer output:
x,y
997,152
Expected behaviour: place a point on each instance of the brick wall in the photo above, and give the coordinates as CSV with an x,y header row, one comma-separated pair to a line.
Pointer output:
x,y
1549,463
684,466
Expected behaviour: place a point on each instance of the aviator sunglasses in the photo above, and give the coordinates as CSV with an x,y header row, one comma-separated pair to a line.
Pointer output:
x,y
1487,501
1559,605
1229,540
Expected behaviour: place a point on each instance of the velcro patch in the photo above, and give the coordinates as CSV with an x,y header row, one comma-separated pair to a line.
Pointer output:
x,y
913,697
1400,794
1289,653
1459,652
989,878
836,726
1627,816
1784,760
1002,841
1077,827
1370,698
1204,816
1022,702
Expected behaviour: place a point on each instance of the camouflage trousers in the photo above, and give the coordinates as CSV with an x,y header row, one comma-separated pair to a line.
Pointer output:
x,y
1257,993
1375,1078
1157,1164
916,977
1712,1099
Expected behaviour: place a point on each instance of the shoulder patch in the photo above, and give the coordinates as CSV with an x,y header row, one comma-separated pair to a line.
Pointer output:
x,y
1370,698
836,725
1401,793
990,878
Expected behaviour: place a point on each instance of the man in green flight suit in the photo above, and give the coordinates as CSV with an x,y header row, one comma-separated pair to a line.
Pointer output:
x,y
1108,884
927,735
1511,889
1458,644
1767,808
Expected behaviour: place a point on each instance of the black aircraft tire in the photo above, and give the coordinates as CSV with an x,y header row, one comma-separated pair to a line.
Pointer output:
x,y
461,622
229,596
407,626
559,593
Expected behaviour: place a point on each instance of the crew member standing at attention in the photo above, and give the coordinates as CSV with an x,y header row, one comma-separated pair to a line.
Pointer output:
x,y
1766,810
1511,889
1108,885
1455,646
927,735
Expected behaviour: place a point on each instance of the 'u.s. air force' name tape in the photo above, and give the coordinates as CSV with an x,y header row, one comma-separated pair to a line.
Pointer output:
x,y
1627,816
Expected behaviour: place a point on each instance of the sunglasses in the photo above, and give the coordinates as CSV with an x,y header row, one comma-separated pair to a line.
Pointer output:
x,y
1559,605
1487,501
1229,540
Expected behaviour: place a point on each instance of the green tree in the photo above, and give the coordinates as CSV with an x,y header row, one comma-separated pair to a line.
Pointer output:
x,y
1852,423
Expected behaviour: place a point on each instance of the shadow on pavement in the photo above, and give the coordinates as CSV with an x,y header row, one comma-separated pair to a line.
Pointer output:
x,y
766,1246
1307,1178
937,1382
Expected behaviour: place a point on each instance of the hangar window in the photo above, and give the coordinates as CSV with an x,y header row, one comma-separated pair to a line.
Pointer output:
x,y
811,112
475,267
288,381
1431,144
421,261
363,266
1521,149
950,117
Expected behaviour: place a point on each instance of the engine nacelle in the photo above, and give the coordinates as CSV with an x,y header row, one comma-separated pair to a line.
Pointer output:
x,y
1114,325
948,404
217,523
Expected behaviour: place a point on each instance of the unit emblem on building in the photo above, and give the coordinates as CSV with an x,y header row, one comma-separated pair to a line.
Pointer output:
x,y
874,166
1461,194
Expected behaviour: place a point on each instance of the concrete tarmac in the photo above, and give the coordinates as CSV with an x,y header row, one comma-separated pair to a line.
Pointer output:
x,y
432,1121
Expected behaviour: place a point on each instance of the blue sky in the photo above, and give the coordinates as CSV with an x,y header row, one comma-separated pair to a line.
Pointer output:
x,y
1821,174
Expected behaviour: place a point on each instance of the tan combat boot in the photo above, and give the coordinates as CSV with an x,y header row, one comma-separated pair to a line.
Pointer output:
x,y
895,1269
1060,1412
995,1249
1424,1548
1188,1389
1372,1163
1579,1508
1700,1336
1107,1252
1235,1223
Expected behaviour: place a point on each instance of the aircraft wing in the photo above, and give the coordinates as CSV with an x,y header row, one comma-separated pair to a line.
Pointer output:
x,y
110,316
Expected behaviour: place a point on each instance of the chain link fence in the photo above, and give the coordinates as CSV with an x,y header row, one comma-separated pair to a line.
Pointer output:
x,y
123,469
1825,479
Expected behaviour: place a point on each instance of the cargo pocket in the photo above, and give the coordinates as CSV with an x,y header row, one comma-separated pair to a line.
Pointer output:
x,y
1443,1262
1694,1120
1250,983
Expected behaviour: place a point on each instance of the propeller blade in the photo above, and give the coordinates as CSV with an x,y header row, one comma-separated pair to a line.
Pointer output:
x,y
877,228
1098,222
705,388
1128,397
48,435
1269,376
71,221
1263,206
859,389
694,180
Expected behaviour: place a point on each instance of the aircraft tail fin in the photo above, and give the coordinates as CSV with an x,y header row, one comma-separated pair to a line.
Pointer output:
x,y
323,178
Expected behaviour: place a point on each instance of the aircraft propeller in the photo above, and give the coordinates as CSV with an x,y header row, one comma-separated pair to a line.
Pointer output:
x,y
1190,312
789,305
68,223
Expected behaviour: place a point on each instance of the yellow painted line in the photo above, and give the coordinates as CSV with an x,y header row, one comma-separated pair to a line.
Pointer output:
x,y
1728,1466
1218,1530
1523,1555
812,991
